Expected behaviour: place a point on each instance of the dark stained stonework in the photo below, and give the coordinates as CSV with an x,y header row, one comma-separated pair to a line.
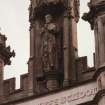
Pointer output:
x,y
54,65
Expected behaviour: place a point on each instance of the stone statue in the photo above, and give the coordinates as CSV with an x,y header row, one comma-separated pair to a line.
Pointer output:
x,y
49,45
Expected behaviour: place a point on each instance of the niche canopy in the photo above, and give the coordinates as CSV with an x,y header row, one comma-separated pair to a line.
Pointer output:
x,y
54,7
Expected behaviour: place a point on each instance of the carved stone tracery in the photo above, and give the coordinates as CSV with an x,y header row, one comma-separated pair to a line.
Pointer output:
x,y
49,45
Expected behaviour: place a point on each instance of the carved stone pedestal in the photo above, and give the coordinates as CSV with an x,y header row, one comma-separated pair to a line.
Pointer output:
x,y
52,80
52,84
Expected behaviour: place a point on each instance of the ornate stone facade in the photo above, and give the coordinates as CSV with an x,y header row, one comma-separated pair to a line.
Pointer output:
x,y
57,39
56,75
96,17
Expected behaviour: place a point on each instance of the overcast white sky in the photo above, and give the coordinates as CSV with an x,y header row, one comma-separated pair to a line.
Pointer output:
x,y
14,24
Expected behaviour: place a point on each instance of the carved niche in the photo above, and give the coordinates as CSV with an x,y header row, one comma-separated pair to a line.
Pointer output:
x,y
49,44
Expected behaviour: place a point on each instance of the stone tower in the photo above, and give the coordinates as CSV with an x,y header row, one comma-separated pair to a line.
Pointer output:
x,y
53,43
96,18
5,55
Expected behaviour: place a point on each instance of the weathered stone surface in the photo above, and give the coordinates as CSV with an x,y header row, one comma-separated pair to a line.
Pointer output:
x,y
54,64
77,95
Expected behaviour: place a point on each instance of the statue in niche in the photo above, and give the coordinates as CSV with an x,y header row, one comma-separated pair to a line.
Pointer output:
x,y
49,46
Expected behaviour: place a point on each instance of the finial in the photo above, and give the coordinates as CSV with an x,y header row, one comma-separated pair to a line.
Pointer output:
x,y
13,53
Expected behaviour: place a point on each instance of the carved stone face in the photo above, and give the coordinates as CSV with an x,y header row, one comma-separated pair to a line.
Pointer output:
x,y
48,18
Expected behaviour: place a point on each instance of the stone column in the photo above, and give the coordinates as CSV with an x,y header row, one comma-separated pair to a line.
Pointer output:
x,y
70,42
66,49
69,59
96,17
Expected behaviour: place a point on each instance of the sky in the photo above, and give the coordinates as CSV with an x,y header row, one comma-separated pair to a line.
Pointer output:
x,y
14,16
86,45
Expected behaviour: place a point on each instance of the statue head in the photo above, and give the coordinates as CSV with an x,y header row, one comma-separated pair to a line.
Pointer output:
x,y
48,18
